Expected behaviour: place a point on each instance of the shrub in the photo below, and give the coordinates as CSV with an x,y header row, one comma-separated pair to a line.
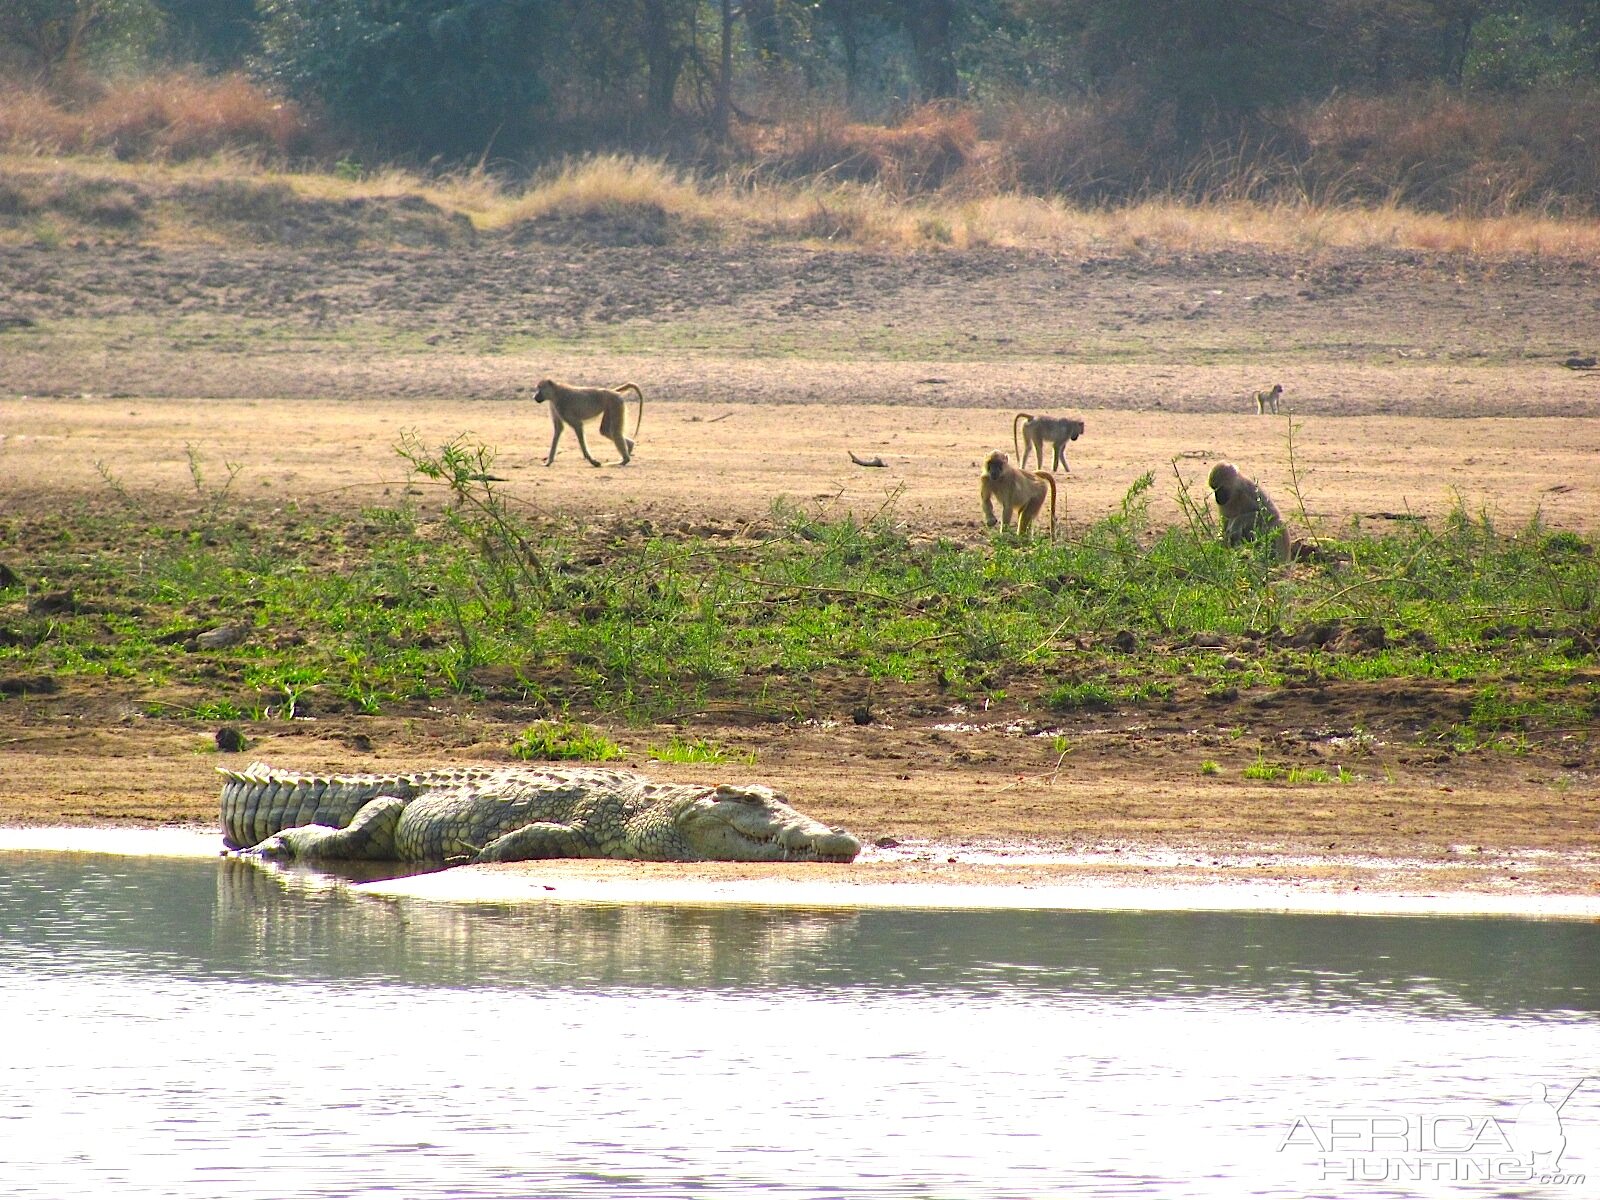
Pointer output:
x,y
172,116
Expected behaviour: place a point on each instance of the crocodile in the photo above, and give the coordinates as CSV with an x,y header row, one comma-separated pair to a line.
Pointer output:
x,y
478,814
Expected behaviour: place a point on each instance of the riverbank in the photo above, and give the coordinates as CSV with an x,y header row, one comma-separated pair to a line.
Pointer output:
x,y
1420,387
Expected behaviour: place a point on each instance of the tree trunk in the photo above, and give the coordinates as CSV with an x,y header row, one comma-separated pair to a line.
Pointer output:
x,y
929,22
663,60
844,20
722,115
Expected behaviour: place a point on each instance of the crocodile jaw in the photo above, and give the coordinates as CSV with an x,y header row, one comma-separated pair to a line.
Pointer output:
x,y
753,823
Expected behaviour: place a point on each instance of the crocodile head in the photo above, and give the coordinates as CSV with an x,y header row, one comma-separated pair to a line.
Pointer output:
x,y
748,822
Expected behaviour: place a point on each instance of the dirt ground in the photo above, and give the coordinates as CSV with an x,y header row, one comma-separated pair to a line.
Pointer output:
x,y
1414,384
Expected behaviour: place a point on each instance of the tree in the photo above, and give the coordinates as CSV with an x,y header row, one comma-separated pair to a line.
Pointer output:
x,y
666,44
444,78
56,35
218,33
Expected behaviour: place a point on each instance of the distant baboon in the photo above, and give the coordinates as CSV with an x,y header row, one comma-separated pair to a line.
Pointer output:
x,y
1036,431
1267,401
1018,491
1247,512
575,405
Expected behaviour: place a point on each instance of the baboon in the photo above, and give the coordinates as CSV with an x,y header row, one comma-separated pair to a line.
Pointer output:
x,y
1267,401
1247,512
1018,491
1036,431
575,405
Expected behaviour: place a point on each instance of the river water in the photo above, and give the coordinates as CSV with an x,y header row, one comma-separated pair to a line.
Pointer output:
x,y
182,1027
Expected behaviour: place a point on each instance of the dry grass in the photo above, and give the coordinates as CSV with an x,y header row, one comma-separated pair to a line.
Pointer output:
x,y
171,117
863,215
1448,152
823,211
925,151
609,182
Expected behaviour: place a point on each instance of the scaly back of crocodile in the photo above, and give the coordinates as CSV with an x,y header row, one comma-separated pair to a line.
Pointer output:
x,y
261,800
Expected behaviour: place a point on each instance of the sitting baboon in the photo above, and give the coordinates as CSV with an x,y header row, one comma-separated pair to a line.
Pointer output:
x,y
1267,401
575,405
1036,431
1018,491
1247,512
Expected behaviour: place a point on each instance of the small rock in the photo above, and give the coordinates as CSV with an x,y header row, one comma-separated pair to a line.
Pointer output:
x,y
222,637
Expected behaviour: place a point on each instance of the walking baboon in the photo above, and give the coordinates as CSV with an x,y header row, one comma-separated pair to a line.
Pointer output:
x,y
575,405
1247,512
1018,491
1267,401
1036,431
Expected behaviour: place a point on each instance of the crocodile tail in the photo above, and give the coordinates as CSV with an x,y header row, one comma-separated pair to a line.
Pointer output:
x,y
261,800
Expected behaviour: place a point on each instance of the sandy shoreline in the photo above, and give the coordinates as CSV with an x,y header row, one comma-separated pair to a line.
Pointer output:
x,y
1417,387
1518,884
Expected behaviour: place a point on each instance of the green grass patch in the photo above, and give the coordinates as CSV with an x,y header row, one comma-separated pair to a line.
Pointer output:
x,y
1317,775
564,741
697,750
1070,697
1264,771
368,611
1267,772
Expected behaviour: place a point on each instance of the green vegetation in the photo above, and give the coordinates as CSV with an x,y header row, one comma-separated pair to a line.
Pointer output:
x,y
1264,771
391,606
697,750
564,741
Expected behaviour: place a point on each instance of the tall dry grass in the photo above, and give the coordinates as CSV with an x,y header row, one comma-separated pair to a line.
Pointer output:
x,y
170,117
845,213
609,182
1446,152
923,152
823,213
1438,173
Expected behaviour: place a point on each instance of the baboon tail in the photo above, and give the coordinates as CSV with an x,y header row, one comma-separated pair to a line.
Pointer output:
x,y
639,419
1016,442
1051,480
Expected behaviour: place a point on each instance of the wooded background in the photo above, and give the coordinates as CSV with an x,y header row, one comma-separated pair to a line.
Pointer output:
x,y
1099,99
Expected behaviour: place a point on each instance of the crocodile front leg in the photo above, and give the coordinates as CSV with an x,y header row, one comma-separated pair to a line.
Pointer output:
x,y
541,839
370,834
